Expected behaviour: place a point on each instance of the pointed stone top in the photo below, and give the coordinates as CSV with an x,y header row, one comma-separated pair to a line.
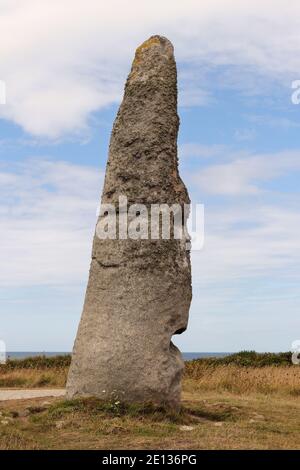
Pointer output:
x,y
153,54
160,43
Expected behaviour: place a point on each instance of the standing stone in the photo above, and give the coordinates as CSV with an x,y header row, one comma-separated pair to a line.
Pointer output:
x,y
139,291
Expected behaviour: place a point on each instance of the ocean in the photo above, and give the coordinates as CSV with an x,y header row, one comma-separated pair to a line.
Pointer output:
x,y
187,356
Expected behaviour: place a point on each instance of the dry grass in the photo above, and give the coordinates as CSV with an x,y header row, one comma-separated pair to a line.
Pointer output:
x,y
31,378
231,378
280,380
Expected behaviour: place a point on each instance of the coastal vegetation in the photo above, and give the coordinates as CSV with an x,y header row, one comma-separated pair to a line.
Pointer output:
x,y
243,401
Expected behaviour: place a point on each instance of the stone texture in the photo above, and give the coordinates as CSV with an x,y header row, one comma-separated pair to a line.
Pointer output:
x,y
139,291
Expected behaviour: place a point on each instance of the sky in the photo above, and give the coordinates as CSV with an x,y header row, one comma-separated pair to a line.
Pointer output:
x,y
64,64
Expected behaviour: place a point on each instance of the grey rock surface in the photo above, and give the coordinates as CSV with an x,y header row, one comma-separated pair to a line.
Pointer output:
x,y
139,291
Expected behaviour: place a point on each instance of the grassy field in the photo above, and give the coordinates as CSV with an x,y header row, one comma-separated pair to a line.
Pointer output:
x,y
234,404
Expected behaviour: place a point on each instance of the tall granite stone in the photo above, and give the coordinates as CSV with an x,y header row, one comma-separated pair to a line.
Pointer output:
x,y
139,291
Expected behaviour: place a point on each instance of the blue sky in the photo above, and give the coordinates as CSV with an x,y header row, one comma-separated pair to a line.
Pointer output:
x,y
239,152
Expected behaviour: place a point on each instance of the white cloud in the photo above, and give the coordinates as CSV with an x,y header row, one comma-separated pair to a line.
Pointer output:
x,y
245,241
62,60
244,175
254,232
47,217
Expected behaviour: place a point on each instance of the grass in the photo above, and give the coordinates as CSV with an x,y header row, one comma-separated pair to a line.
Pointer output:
x,y
206,421
230,403
278,380
35,372
33,378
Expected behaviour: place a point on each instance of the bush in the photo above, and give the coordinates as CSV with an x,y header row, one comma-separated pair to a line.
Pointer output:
x,y
38,362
